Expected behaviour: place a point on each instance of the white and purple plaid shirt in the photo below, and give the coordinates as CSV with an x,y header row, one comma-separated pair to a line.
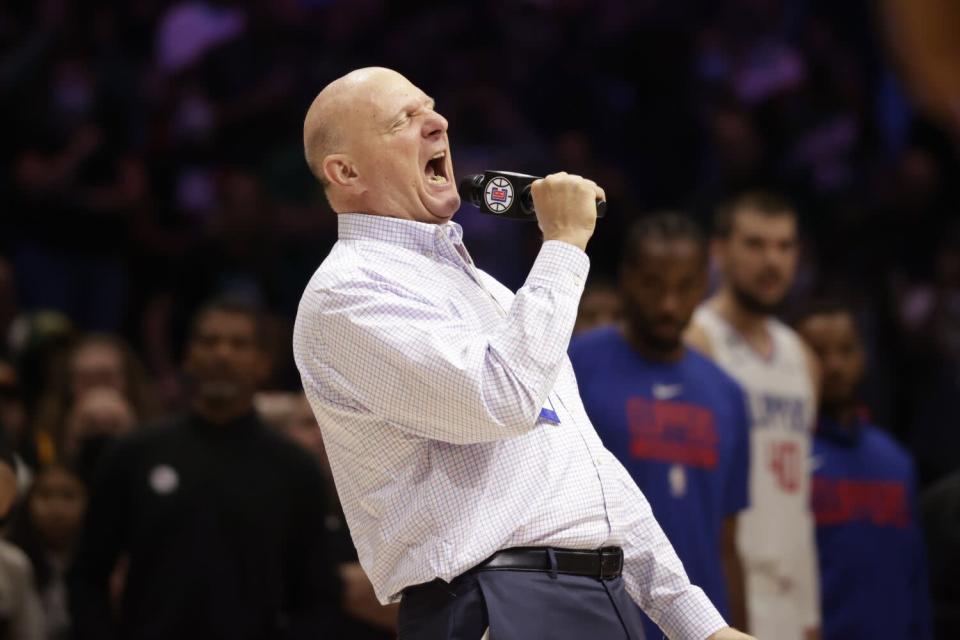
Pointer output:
x,y
453,422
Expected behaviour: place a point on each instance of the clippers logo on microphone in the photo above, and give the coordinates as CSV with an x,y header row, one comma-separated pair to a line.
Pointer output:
x,y
498,195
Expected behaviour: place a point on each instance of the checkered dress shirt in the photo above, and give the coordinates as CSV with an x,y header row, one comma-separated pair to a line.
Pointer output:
x,y
428,378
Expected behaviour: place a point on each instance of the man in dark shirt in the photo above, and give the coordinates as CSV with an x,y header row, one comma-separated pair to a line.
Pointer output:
x,y
220,518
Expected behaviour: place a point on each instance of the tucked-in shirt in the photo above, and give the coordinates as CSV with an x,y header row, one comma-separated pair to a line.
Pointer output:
x,y
453,422
681,430
872,563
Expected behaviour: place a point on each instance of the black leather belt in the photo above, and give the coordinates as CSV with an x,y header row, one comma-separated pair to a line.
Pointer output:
x,y
604,564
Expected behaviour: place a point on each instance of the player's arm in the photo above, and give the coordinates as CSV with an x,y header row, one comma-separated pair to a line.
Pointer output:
x,y
733,572
813,579
813,368
697,338
736,499
423,367
811,583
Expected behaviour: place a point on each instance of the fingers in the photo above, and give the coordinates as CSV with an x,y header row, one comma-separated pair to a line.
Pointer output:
x,y
562,178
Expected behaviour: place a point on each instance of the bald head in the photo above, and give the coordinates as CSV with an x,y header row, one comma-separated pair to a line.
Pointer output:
x,y
333,111
375,142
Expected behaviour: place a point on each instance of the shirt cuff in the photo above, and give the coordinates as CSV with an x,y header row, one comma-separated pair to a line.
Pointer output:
x,y
691,616
560,264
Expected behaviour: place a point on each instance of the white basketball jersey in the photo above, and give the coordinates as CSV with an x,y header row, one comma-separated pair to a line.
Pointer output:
x,y
775,534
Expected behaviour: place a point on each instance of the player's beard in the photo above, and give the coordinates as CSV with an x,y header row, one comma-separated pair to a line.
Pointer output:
x,y
641,330
753,304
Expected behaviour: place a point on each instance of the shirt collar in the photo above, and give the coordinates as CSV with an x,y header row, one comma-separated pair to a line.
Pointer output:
x,y
418,236
846,434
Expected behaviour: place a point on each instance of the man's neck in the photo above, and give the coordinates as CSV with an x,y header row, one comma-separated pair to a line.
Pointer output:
x,y
648,351
844,414
751,326
222,414
746,322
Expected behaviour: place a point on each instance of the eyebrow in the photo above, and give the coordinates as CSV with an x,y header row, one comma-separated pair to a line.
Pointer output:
x,y
430,103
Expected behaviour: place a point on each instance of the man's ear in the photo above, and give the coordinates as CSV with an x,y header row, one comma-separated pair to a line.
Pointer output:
x,y
339,170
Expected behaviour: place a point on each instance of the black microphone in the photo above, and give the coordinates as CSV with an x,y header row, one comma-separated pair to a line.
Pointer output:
x,y
505,194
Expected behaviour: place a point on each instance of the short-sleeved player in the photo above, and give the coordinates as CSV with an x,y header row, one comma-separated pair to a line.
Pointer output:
x,y
757,252
675,420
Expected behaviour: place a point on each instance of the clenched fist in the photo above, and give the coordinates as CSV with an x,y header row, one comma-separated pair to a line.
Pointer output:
x,y
566,207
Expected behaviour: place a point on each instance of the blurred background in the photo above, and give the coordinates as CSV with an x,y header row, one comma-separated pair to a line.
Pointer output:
x,y
152,159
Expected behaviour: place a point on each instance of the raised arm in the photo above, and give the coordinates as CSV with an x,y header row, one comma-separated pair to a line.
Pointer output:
x,y
390,351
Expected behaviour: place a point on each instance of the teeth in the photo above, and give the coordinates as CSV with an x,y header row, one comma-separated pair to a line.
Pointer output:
x,y
438,179
438,154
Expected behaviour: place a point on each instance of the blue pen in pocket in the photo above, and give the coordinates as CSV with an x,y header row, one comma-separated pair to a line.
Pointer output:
x,y
548,414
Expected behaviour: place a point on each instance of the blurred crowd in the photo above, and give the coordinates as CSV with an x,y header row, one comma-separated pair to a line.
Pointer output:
x,y
152,160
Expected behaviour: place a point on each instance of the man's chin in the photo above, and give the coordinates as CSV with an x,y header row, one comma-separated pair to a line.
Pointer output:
x,y
445,209
219,393
661,342
758,305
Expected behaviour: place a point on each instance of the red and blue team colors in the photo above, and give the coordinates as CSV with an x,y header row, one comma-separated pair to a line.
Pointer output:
x,y
872,565
681,430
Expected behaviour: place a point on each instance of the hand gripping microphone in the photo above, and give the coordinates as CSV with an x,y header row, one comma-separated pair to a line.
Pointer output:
x,y
505,194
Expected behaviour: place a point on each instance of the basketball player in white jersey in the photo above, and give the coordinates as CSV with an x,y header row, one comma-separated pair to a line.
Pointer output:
x,y
756,248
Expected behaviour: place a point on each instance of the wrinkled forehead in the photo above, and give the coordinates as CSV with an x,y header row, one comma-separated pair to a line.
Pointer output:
x,y
381,99
771,226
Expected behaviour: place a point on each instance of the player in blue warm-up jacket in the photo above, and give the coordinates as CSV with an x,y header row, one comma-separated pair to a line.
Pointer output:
x,y
675,420
872,566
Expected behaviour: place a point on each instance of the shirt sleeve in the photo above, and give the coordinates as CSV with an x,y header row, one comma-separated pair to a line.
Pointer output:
x,y
654,576
377,346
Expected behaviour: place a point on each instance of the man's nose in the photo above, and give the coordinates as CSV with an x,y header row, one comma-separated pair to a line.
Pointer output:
x,y
434,124
669,304
223,350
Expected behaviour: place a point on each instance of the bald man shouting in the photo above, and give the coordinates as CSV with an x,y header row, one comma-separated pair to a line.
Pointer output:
x,y
476,490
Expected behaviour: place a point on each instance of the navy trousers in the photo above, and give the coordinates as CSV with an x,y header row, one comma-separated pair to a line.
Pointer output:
x,y
519,605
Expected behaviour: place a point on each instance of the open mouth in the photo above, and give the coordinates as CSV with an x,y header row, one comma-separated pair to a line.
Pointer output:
x,y
436,169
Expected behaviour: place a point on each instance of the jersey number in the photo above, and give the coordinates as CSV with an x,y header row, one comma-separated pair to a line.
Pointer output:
x,y
785,465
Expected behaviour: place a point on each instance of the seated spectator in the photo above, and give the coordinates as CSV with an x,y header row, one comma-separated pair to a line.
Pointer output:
x,y
96,361
46,529
221,519
99,417
872,566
